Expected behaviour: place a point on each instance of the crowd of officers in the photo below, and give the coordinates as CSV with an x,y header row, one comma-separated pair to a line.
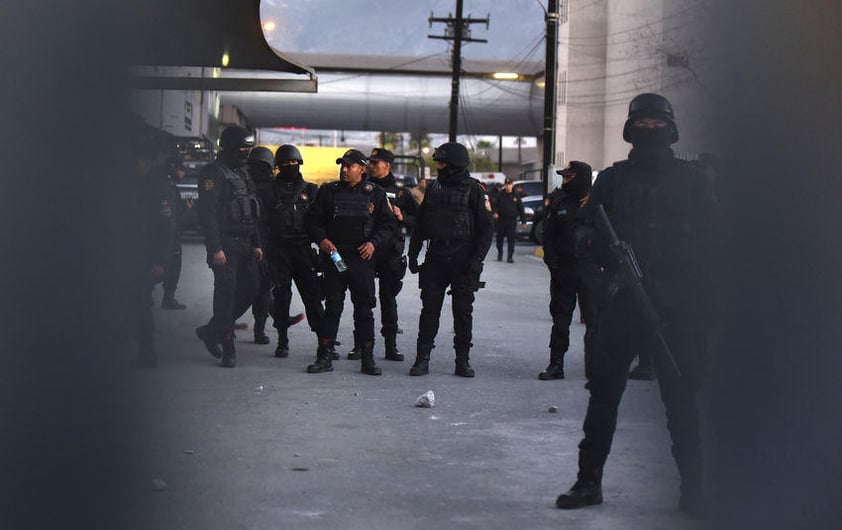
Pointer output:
x,y
261,221
265,227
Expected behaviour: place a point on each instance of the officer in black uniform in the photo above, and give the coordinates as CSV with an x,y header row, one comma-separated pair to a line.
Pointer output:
x,y
350,219
288,250
391,263
567,271
455,219
170,201
261,166
506,207
661,206
229,213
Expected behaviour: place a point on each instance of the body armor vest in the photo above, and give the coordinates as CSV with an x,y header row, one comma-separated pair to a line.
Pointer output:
x,y
286,217
448,216
239,208
352,220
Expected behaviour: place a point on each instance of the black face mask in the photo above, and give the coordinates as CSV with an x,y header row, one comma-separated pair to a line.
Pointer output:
x,y
260,172
288,172
449,174
577,187
654,139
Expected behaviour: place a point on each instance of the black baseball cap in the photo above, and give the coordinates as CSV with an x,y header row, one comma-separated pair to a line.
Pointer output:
x,y
353,156
378,153
574,167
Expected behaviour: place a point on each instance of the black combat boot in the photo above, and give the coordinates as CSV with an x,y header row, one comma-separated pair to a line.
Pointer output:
x,y
587,490
463,367
422,361
333,353
356,353
169,302
367,365
392,353
260,336
324,359
282,350
229,353
691,469
208,337
555,370
499,255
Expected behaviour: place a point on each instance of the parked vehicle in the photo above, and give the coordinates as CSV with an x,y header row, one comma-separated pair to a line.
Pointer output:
x,y
532,196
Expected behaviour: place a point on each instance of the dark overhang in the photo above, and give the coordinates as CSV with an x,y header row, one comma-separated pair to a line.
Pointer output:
x,y
180,44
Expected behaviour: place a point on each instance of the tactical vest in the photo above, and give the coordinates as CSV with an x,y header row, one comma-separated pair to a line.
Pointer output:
x,y
352,221
655,216
448,215
239,209
286,217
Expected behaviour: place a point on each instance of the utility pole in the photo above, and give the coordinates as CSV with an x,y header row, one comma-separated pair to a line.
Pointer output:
x,y
551,69
458,30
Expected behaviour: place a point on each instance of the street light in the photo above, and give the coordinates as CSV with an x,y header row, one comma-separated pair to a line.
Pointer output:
x,y
506,76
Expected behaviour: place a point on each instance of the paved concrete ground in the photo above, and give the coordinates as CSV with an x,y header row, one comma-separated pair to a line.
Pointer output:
x,y
266,445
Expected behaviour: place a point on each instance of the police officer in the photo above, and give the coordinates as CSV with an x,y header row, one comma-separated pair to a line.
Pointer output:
x,y
289,252
228,213
660,206
173,208
390,261
261,165
455,219
506,208
567,271
350,219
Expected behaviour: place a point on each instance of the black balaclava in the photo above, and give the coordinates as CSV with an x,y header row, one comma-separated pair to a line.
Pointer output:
x,y
578,187
288,173
260,171
451,175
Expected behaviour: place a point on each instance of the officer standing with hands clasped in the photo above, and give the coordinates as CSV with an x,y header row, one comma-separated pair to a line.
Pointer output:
x,y
567,270
506,208
391,264
350,220
662,208
229,214
455,219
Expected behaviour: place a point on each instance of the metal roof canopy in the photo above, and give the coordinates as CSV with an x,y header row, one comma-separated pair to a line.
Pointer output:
x,y
391,93
194,35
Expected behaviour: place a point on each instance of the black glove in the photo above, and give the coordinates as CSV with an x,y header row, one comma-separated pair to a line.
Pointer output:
x,y
413,265
474,268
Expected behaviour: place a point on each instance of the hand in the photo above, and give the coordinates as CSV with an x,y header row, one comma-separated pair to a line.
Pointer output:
x,y
413,265
327,246
218,258
398,213
259,253
366,250
474,267
157,271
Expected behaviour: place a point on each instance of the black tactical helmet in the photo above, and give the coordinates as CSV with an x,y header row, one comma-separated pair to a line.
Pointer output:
x,y
262,154
650,106
234,138
288,152
452,153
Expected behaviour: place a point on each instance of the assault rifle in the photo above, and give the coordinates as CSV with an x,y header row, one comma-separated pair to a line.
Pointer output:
x,y
627,275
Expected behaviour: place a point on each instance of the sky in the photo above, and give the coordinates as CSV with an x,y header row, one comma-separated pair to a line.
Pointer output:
x,y
375,27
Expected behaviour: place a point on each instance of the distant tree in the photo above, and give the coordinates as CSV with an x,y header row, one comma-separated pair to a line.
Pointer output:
x,y
391,140
485,144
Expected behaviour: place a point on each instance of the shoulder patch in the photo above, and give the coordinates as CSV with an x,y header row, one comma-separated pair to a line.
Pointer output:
x,y
368,187
305,197
371,207
207,184
547,202
401,193
487,202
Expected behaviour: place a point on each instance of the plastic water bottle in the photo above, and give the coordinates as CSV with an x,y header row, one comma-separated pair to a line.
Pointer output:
x,y
338,261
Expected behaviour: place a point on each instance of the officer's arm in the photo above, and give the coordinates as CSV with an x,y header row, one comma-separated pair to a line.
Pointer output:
x,y
521,210
483,222
314,220
209,186
385,224
550,228
409,209
416,238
